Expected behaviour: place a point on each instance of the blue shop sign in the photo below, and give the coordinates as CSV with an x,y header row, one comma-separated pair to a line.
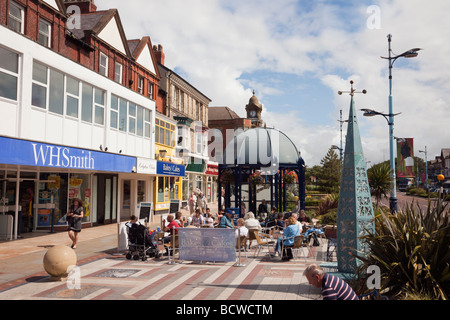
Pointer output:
x,y
169,169
29,153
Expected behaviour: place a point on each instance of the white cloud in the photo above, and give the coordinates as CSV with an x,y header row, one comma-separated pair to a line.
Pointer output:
x,y
215,43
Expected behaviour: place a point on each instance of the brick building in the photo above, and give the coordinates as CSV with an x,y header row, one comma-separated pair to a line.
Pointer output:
x,y
78,105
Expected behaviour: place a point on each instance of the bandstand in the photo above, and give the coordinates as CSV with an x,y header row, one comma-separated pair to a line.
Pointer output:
x,y
259,164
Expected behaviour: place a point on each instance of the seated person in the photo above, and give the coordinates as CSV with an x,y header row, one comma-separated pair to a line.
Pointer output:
x,y
170,228
270,221
241,230
289,233
225,221
133,220
251,222
197,219
209,219
179,218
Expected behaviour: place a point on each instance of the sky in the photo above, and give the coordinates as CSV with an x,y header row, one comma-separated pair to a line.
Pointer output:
x,y
297,54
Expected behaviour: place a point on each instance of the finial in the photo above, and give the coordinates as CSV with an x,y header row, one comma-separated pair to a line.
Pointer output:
x,y
352,90
253,91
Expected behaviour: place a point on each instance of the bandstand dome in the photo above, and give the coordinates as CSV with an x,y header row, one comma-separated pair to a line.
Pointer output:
x,y
261,147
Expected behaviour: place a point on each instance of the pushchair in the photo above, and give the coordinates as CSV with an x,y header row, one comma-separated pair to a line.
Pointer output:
x,y
142,244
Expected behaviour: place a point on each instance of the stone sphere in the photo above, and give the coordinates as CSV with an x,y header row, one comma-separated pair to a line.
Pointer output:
x,y
59,260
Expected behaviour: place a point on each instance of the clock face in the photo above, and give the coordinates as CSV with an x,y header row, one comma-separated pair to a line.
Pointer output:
x,y
253,113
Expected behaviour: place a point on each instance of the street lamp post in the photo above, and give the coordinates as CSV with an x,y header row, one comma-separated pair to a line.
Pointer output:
x,y
407,54
426,167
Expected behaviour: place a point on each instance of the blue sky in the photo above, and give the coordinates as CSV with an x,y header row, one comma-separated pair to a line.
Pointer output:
x,y
297,54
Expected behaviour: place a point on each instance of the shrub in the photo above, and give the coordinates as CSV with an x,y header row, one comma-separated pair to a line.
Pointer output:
x,y
412,250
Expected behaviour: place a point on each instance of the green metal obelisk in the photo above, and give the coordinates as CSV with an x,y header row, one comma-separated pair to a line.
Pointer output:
x,y
355,211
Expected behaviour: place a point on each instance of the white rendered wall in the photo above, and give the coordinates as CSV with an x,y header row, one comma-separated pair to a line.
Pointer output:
x,y
19,119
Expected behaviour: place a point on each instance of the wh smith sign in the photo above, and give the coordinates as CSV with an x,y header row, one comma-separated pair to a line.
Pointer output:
x,y
29,153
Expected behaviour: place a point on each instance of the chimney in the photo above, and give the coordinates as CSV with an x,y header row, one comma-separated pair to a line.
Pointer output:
x,y
159,54
86,6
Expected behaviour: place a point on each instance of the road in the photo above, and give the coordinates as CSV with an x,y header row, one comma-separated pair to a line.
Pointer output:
x,y
404,200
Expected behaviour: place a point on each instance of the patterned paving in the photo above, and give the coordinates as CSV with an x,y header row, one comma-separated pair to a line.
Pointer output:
x,y
113,277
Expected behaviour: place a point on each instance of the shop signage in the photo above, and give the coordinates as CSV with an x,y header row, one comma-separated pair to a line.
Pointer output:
x,y
212,170
147,166
29,153
170,169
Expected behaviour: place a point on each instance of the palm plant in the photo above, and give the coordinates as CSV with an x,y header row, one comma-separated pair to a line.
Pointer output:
x,y
412,251
379,181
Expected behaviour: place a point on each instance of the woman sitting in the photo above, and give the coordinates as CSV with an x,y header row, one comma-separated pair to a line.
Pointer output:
x,y
287,239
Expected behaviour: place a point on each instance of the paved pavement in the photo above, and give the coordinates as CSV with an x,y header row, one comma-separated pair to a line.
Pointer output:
x,y
105,273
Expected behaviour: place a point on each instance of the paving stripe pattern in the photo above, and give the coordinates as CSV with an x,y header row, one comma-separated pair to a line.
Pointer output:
x,y
113,277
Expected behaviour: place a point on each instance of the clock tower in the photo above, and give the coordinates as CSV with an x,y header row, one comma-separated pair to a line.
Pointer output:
x,y
254,109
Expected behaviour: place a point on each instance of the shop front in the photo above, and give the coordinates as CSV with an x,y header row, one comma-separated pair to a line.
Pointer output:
x,y
167,185
38,182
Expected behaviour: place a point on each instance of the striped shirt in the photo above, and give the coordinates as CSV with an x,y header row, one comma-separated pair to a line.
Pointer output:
x,y
334,288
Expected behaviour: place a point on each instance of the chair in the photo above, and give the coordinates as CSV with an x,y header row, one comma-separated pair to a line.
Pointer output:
x,y
298,244
172,246
266,242
331,236
251,236
241,244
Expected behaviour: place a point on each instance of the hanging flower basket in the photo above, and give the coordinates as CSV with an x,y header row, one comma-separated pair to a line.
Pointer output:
x,y
289,177
256,178
227,176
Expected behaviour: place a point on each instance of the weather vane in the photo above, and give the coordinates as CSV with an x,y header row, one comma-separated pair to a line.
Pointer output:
x,y
352,91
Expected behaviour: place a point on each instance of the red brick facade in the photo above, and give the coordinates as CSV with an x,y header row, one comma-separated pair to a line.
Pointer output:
x,y
84,49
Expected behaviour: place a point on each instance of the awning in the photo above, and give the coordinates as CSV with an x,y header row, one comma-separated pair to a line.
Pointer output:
x,y
196,165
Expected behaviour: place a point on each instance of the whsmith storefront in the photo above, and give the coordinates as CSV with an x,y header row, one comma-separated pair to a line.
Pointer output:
x,y
38,182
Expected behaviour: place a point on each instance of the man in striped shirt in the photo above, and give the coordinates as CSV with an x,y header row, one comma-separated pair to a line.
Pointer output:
x,y
333,288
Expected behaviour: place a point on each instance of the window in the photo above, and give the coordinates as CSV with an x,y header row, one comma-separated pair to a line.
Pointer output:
x,y
39,86
86,104
147,123
150,90
114,111
141,85
165,133
118,73
9,69
72,96
44,33
99,112
103,69
132,118
123,115
16,17
140,121
56,92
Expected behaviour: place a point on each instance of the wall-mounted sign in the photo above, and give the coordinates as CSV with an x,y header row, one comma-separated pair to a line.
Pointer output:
x,y
29,153
170,169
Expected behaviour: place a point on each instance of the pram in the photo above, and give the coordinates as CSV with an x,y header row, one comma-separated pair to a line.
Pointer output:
x,y
142,244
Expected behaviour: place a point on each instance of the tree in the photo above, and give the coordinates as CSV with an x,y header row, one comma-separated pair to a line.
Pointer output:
x,y
330,175
379,180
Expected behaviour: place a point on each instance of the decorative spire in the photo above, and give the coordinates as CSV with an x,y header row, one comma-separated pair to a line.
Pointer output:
x,y
355,211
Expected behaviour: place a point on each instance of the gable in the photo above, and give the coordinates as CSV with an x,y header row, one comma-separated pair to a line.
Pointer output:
x,y
53,4
111,35
145,60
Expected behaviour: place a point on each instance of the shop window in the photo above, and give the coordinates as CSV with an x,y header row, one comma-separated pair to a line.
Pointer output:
x,y
141,191
9,69
160,189
80,187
